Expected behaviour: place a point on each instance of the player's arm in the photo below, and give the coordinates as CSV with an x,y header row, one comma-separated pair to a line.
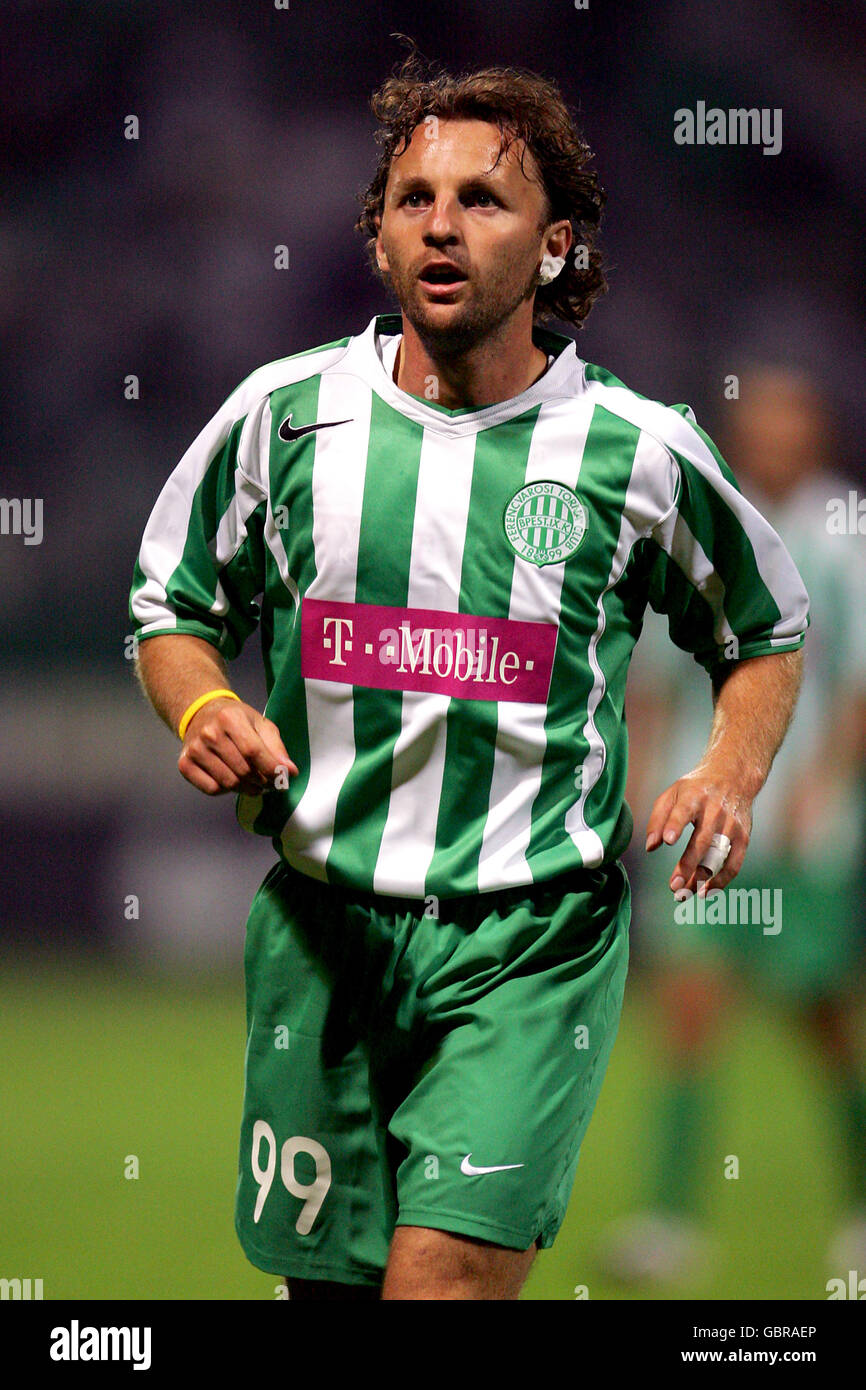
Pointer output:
x,y
754,702
228,746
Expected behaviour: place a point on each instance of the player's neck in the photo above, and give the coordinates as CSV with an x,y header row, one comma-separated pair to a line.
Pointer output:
x,y
493,370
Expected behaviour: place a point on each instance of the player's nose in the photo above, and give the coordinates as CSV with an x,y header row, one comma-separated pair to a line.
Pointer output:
x,y
440,224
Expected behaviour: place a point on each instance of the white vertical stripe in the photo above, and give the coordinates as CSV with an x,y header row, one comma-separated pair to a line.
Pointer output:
x,y
339,471
438,539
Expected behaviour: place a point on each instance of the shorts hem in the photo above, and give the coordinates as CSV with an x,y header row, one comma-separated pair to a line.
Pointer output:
x,y
289,1267
463,1225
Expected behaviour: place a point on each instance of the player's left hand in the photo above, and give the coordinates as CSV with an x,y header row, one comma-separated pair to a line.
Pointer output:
x,y
709,801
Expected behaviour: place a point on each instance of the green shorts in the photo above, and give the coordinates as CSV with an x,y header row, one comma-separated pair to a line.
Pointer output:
x,y
420,1063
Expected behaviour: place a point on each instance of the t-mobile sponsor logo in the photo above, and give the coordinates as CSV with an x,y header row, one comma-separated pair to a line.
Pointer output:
x,y
473,658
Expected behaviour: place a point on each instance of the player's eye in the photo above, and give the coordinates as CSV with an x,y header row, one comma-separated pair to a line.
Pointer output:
x,y
481,197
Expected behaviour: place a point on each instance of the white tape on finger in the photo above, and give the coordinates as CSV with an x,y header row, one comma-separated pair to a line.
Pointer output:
x,y
716,854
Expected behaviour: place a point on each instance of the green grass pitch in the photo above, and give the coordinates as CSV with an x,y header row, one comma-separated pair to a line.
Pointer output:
x,y
98,1067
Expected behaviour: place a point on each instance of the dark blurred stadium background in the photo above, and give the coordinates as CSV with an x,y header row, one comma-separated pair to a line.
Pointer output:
x,y
123,892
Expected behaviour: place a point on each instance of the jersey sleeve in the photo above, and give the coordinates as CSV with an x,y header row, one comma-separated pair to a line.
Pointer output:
x,y
720,572
200,569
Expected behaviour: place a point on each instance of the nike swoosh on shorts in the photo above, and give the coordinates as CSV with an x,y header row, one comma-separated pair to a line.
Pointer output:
x,y
471,1171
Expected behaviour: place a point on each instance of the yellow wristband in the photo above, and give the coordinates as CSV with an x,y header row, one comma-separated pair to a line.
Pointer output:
x,y
197,704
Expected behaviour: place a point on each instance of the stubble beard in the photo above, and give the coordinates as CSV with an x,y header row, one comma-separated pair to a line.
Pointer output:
x,y
488,311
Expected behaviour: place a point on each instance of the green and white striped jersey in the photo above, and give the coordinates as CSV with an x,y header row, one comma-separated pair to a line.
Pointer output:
x,y
448,601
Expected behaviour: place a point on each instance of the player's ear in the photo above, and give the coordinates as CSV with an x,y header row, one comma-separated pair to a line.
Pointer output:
x,y
381,258
555,244
558,239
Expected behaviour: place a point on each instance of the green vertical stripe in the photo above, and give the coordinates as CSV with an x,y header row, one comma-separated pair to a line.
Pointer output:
x,y
384,555
691,620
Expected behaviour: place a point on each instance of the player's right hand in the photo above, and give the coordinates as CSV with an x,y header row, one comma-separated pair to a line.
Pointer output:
x,y
230,747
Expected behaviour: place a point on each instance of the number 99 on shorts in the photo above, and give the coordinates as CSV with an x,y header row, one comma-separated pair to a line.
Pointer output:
x,y
312,1194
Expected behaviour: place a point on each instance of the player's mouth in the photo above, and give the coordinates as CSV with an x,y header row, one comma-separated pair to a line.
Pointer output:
x,y
441,279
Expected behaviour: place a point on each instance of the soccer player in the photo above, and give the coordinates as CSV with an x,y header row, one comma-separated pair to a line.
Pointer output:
x,y
448,527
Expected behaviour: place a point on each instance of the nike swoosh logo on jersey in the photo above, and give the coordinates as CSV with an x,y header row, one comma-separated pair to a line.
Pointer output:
x,y
288,431
471,1171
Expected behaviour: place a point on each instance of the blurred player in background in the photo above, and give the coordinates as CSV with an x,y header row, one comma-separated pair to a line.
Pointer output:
x,y
448,527
801,949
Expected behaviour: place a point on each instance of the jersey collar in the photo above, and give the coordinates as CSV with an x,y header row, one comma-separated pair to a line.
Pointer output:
x,y
372,355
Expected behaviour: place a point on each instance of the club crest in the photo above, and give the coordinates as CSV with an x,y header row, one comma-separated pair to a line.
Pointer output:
x,y
545,523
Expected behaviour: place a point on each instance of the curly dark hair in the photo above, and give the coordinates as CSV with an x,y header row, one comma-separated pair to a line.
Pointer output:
x,y
526,107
